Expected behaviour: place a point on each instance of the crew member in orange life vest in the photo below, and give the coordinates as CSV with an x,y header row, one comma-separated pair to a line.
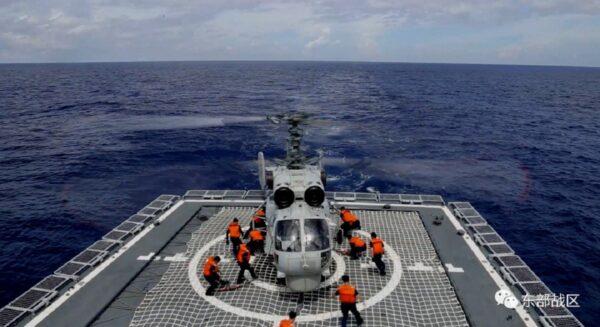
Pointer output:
x,y
288,322
348,295
349,221
376,245
357,246
243,260
234,234
211,274
257,241
257,222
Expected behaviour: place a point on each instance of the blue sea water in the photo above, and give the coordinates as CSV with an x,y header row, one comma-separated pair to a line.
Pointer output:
x,y
83,146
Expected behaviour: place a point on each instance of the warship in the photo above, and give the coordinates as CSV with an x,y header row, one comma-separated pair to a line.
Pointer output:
x,y
446,265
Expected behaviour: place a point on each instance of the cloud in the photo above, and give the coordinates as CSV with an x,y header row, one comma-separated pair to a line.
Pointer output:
x,y
410,30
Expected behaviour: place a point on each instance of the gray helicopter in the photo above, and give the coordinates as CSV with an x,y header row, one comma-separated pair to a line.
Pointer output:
x,y
298,234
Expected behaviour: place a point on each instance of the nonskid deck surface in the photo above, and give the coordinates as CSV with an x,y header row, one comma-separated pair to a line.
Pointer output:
x,y
415,292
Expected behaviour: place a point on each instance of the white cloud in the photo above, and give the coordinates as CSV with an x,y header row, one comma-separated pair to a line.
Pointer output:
x,y
79,30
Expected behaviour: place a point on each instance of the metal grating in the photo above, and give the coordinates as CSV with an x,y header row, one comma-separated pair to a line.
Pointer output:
x,y
523,274
140,219
148,211
553,311
157,204
103,245
432,198
421,297
129,227
534,288
569,321
168,197
490,238
195,193
255,194
410,197
366,196
234,194
461,205
510,261
116,235
31,299
390,197
71,269
475,221
52,283
10,316
344,196
214,194
89,257
483,229
499,248
467,212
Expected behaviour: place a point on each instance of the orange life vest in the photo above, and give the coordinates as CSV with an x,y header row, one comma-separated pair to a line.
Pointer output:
x,y
377,245
234,230
357,242
243,254
260,212
210,267
347,293
256,235
348,217
286,323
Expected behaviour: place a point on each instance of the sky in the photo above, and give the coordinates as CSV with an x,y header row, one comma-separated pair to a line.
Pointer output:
x,y
538,32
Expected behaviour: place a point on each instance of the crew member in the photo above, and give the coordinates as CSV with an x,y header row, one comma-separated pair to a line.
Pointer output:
x,y
349,221
376,245
243,260
257,241
211,274
348,295
234,234
288,322
357,246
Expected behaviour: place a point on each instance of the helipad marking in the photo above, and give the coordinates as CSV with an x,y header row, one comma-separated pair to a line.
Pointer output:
x,y
146,257
199,288
419,266
453,269
178,257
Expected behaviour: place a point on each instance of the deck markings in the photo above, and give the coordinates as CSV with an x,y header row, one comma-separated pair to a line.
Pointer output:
x,y
378,297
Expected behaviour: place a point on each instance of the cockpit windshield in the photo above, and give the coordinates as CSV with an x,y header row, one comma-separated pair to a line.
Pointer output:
x,y
287,236
316,232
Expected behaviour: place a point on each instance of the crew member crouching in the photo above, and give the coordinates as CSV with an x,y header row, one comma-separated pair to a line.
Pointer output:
x,y
349,222
257,241
212,276
357,246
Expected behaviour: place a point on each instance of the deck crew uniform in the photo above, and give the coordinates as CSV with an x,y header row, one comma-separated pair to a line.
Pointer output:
x,y
286,323
347,295
357,247
234,234
349,222
211,274
378,251
257,241
243,260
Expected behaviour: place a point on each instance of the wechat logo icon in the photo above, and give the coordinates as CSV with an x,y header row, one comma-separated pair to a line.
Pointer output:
x,y
506,298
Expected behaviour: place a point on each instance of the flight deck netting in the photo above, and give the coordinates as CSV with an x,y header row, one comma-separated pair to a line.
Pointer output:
x,y
422,297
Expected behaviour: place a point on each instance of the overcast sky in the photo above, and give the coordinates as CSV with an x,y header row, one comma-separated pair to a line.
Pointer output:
x,y
544,32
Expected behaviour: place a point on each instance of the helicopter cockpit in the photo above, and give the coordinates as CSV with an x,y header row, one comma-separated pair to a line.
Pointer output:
x,y
297,235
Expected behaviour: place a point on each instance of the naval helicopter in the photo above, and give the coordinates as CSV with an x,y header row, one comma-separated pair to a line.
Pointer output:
x,y
296,211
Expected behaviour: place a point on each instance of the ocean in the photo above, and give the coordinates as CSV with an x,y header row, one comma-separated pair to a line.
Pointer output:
x,y
84,146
